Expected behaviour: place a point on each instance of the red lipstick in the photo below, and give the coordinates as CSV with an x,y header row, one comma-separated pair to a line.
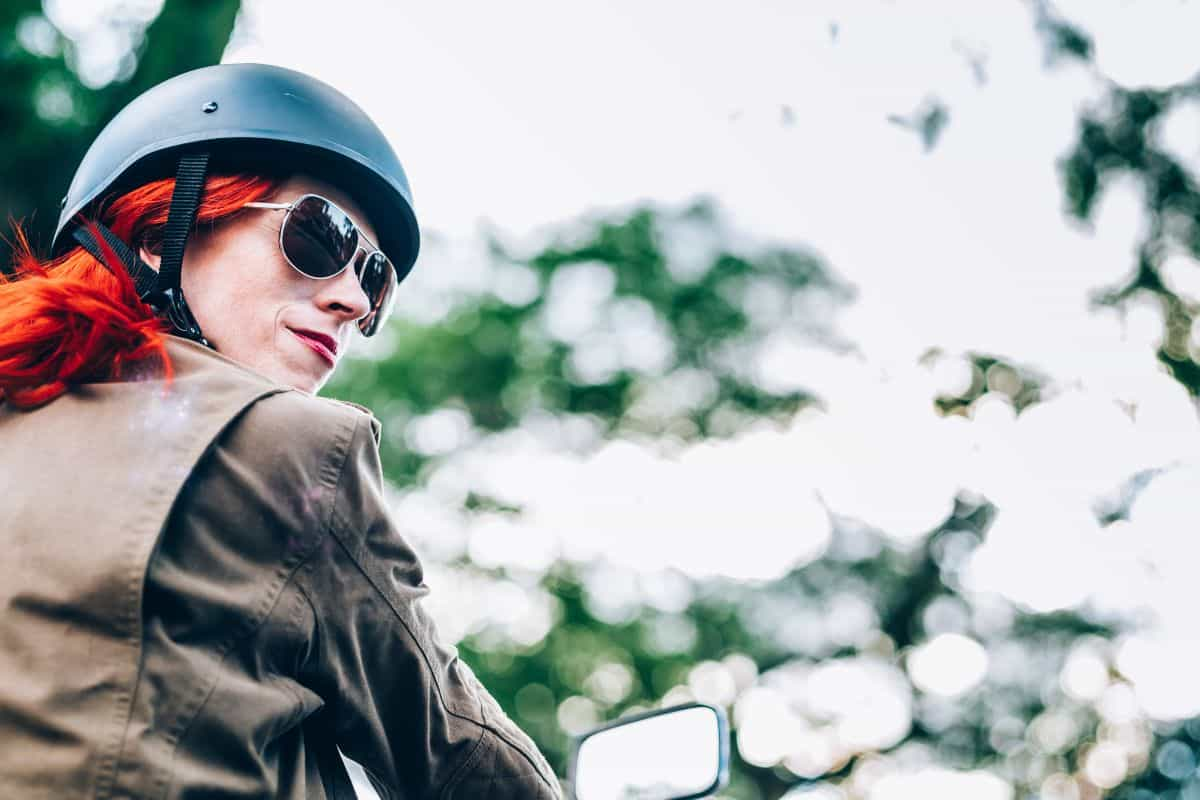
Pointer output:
x,y
322,344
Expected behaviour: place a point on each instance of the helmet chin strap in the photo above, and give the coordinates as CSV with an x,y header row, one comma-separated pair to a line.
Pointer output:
x,y
162,290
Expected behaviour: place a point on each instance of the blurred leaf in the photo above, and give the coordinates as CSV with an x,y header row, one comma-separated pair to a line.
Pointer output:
x,y
41,154
1060,38
927,122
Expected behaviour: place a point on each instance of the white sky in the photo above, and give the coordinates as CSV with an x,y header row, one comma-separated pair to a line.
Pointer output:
x,y
532,113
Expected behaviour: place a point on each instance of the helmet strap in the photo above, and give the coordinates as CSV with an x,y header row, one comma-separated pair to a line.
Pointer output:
x,y
167,294
144,277
185,199
161,289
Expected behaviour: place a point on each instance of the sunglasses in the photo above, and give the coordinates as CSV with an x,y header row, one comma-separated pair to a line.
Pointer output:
x,y
320,241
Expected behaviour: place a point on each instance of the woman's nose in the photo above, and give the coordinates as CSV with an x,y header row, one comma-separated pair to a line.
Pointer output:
x,y
344,296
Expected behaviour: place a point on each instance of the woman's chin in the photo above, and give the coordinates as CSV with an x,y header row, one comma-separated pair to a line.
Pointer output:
x,y
306,382
300,377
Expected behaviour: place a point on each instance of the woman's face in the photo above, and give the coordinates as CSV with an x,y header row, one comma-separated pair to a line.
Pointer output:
x,y
258,310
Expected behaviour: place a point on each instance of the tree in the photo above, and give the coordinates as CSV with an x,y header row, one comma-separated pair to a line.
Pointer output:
x,y
500,363
51,115
1120,137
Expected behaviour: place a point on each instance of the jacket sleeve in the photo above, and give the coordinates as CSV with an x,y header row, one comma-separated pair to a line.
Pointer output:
x,y
402,704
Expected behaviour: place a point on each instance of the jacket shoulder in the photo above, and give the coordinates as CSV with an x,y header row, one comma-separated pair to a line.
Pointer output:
x,y
311,414
280,466
299,424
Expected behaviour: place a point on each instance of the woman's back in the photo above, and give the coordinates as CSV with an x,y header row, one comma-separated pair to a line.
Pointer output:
x,y
89,480
276,618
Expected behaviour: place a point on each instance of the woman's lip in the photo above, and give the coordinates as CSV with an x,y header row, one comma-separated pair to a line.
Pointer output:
x,y
317,346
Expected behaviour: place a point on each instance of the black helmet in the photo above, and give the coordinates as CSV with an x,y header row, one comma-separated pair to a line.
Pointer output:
x,y
254,115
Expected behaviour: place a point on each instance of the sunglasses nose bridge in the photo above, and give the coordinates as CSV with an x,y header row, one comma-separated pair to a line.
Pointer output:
x,y
359,259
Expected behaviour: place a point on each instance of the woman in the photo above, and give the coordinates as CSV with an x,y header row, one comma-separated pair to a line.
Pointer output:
x,y
204,595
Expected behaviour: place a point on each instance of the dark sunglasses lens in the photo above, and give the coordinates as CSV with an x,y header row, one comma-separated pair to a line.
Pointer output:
x,y
378,279
318,238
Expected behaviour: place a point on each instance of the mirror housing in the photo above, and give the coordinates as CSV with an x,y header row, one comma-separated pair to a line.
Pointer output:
x,y
666,754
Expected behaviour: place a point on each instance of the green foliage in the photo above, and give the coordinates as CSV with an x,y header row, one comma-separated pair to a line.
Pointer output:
x,y
928,122
1120,138
50,116
1061,39
1021,385
500,363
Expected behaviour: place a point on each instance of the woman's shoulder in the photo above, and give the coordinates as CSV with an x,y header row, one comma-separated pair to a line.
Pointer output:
x,y
297,424
279,415
285,461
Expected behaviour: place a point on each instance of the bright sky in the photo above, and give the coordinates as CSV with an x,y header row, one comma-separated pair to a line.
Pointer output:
x,y
523,115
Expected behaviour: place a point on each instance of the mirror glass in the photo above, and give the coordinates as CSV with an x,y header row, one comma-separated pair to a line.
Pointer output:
x,y
672,754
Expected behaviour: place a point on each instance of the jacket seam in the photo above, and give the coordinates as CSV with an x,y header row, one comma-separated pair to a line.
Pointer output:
x,y
456,776
415,640
502,735
177,732
332,471
108,773
284,575
338,527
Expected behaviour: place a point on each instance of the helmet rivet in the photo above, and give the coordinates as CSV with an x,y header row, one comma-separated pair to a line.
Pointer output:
x,y
210,107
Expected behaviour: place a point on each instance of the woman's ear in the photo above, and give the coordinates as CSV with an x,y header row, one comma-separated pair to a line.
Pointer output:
x,y
153,259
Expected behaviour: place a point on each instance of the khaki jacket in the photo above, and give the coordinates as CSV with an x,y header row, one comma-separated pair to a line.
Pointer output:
x,y
203,596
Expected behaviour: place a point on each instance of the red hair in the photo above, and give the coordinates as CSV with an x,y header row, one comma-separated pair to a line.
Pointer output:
x,y
73,319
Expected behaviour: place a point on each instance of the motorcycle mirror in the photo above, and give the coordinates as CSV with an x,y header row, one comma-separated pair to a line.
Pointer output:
x,y
668,754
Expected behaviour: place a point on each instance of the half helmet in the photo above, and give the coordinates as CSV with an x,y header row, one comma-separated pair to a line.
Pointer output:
x,y
248,115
